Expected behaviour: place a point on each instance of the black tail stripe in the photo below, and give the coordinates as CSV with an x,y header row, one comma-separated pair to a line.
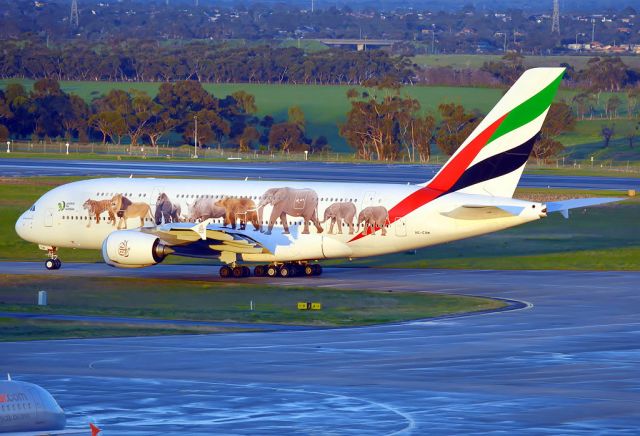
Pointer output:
x,y
495,166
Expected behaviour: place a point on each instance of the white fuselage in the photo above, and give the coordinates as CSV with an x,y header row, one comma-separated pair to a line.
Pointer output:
x,y
58,218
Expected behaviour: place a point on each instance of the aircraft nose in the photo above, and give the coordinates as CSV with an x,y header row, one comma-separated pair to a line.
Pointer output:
x,y
22,227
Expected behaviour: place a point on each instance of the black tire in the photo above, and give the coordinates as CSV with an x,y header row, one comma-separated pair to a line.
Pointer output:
x,y
309,270
58,263
285,271
50,264
225,272
272,271
246,271
259,271
237,272
317,269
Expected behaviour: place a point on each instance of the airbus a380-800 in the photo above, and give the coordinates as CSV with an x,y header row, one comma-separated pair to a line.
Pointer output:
x,y
286,227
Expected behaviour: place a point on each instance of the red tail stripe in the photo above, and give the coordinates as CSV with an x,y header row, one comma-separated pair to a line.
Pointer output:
x,y
452,171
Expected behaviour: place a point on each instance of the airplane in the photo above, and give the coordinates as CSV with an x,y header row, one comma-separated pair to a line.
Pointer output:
x,y
287,227
27,409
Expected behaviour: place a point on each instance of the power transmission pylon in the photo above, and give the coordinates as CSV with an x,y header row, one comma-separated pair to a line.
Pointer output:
x,y
555,21
75,19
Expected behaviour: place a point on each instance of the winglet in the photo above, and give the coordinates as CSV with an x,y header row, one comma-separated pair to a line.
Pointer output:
x,y
201,228
94,429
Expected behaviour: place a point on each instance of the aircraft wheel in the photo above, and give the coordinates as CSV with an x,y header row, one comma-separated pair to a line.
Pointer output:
x,y
285,271
259,271
225,272
272,271
50,264
237,272
309,270
246,271
58,263
317,269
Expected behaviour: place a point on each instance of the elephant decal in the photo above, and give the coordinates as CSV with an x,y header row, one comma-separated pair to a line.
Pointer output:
x,y
292,202
372,217
339,213
166,211
239,208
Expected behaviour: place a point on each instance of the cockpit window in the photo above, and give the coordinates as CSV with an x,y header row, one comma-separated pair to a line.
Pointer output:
x,y
33,208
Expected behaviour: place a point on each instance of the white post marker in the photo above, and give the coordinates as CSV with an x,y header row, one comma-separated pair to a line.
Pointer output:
x,y
67,145
8,146
306,154
195,139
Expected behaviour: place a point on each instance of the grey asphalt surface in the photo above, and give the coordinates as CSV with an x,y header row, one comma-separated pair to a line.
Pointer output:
x,y
316,171
568,362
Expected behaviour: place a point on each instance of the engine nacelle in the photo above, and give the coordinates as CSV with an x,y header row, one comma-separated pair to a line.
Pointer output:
x,y
133,249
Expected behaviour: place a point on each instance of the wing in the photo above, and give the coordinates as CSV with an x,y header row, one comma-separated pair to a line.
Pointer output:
x,y
206,239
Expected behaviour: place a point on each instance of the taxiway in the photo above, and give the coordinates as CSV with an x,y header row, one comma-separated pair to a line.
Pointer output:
x,y
567,362
316,171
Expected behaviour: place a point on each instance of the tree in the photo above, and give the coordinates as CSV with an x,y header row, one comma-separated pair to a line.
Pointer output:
x,y
419,136
376,126
559,119
249,135
631,131
633,95
246,101
4,133
286,137
110,123
612,106
607,133
455,127
296,116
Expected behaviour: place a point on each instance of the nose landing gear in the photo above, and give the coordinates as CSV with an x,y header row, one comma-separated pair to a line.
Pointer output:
x,y
53,262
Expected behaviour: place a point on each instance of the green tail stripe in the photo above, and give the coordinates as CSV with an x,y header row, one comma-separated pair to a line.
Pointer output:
x,y
529,110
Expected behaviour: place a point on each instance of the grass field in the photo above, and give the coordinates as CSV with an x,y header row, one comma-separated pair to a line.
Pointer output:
x,y
17,329
326,106
602,238
204,301
476,61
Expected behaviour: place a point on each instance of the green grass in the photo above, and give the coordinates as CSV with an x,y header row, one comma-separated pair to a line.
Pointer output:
x,y
17,329
476,61
326,106
225,301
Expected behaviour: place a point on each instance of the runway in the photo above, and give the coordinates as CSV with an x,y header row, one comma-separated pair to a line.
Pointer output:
x,y
566,363
303,171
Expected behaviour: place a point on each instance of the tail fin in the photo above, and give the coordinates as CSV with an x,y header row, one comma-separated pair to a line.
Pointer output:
x,y
491,160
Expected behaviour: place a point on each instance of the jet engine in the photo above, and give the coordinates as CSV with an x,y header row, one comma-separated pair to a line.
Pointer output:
x,y
133,249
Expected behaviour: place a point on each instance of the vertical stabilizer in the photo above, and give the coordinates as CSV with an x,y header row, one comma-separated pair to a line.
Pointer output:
x,y
492,158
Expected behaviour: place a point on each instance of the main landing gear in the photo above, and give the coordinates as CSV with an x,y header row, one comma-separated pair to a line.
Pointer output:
x,y
53,262
274,270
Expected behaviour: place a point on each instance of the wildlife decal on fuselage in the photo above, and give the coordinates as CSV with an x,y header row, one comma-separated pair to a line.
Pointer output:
x,y
276,206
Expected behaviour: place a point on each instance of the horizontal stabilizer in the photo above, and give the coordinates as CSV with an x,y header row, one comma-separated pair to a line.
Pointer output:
x,y
564,206
483,212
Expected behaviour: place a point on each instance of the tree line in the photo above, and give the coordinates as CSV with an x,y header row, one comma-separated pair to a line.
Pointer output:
x,y
384,125
148,61
47,112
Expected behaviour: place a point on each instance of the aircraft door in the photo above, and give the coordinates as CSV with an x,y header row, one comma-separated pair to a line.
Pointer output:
x,y
48,218
369,199
401,227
